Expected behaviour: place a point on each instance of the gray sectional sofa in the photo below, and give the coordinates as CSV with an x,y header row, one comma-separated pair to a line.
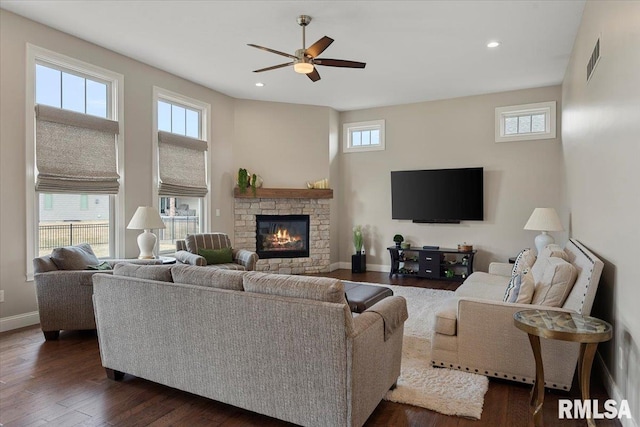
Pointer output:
x,y
283,346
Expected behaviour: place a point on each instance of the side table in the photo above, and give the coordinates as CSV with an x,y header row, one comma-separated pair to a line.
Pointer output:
x,y
167,259
556,325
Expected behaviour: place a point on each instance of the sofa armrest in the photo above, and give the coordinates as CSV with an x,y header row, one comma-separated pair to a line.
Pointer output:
x,y
393,311
501,268
185,257
65,279
246,258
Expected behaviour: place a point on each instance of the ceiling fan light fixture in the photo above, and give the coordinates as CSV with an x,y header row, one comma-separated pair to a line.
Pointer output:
x,y
303,67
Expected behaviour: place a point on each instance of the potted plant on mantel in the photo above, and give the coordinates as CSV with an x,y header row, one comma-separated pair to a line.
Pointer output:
x,y
245,181
359,260
398,238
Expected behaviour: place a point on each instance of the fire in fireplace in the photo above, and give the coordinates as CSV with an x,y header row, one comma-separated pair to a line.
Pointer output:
x,y
282,236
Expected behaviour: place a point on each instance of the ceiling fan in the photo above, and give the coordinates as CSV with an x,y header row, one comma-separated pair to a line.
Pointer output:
x,y
305,59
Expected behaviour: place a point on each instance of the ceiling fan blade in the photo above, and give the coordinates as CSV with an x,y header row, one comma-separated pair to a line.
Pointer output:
x,y
339,63
314,75
275,67
318,47
277,52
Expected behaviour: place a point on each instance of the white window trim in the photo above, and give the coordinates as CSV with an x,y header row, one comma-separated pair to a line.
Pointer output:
x,y
205,109
37,54
546,108
347,128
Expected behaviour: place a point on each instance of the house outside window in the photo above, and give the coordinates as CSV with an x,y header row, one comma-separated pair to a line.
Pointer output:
x,y
182,214
525,122
363,136
60,218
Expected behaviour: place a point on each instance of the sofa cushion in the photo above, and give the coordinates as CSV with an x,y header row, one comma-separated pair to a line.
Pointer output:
x,y
446,316
216,256
524,261
212,277
551,250
555,283
315,288
78,257
195,242
520,288
149,272
104,265
483,285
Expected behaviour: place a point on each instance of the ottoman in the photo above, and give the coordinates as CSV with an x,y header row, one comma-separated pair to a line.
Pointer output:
x,y
361,296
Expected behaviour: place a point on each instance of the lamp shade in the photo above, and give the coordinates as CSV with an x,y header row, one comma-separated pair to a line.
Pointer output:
x,y
544,219
145,218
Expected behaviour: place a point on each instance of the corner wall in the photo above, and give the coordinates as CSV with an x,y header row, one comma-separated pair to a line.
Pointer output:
x,y
601,142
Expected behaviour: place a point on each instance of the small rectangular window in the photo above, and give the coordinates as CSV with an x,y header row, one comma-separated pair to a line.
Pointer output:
x,y
525,122
48,201
84,202
363,136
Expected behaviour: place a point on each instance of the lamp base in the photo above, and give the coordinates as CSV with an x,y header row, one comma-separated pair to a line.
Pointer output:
x,y
542,240
146,243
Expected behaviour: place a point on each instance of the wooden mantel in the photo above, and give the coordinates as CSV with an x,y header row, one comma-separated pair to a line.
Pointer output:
x,y
284,193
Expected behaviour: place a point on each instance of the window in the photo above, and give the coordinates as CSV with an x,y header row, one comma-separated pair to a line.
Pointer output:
x,y
181,162
526,122
363,136
77,108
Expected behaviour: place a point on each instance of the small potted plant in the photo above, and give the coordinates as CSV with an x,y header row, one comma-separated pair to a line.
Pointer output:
x,y
359,260
398,238
357,239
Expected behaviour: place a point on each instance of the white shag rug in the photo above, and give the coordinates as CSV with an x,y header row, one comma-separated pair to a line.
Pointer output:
x,y
443,390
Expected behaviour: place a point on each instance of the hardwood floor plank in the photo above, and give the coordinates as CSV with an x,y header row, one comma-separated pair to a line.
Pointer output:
x,y
63,383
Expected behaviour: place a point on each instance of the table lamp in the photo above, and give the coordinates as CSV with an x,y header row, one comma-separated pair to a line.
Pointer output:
x,y
543,220
146,218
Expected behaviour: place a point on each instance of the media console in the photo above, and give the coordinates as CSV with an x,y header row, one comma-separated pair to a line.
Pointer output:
x,y
440,264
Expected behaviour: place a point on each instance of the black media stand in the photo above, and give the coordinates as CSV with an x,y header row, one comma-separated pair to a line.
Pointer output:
x,y
440,264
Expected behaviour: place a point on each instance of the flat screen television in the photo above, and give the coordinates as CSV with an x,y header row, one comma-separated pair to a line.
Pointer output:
x,y
438,195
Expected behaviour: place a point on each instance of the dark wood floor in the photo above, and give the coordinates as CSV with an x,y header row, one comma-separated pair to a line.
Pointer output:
x,y
62,383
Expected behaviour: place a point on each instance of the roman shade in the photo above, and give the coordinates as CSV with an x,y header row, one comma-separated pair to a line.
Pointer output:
x,y
181,166
75,152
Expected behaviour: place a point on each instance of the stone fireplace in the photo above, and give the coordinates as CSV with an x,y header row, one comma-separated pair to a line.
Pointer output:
x,y
260,220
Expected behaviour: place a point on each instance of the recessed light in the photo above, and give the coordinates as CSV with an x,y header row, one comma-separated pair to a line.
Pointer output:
x,y
493,44
259,84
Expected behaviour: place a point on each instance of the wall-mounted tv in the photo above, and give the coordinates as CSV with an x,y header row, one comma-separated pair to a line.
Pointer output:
x,y
438,195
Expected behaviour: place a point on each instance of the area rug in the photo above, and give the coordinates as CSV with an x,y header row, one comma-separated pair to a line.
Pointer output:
x,y
447,391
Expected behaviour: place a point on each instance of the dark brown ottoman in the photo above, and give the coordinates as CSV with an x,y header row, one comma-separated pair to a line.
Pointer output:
x,y
361,296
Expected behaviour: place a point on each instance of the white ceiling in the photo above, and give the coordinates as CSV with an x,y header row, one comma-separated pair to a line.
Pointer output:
x,y
415,50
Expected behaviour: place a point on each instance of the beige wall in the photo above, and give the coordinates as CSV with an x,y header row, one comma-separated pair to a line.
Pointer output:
x,y
286,144
139,80
601,140
519,176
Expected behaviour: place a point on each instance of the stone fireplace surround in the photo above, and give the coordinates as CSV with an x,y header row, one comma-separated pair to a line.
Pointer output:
x,y
286,201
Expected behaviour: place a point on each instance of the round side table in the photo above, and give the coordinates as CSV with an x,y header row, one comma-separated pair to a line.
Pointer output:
x,y
557,325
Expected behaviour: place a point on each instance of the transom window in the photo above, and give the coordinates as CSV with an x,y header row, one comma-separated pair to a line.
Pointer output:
x,y
363,136
178,119
526,122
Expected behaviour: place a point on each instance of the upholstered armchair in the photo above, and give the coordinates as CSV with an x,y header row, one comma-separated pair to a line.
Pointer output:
x,y
191,250
64,287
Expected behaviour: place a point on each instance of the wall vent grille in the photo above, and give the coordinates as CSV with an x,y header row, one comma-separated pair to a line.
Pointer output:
x,y
593,61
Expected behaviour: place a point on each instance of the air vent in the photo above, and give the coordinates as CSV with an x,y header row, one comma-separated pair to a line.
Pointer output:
x,y
593,61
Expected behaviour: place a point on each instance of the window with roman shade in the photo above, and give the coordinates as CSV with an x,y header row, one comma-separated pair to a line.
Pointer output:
x,y
181,166
75,152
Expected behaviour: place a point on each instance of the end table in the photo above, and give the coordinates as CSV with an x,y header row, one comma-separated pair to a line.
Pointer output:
x,y
558,325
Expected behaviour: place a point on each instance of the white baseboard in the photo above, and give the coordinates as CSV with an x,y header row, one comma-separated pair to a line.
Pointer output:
x,y
613,390
370,267
19,321
335,266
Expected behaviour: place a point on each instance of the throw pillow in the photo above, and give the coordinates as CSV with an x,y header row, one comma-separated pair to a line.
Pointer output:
x,y
555,283
78,257
551,250
520,288
216,256
195,242
524,261
148,272
102,266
